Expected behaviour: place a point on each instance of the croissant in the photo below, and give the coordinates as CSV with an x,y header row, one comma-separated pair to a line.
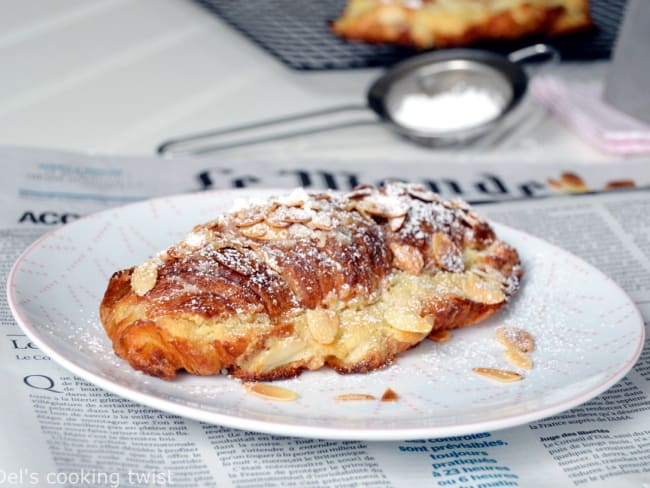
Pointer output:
x,y
306,280
428,24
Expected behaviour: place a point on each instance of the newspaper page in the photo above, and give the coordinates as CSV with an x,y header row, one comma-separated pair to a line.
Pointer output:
x,y
60,430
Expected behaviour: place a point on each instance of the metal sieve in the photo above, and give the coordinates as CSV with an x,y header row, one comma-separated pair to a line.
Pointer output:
x,y
437,98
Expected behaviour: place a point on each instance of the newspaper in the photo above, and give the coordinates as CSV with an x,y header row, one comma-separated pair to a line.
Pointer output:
x,y
60,430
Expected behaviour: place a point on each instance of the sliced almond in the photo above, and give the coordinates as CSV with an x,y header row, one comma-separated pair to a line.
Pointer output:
x,y
276,234
442,335
353,397
389,396
382,206
460,204
246,219
446,254
406,321
402,308
296,198
255,231
275,219
195,239
421,193
502,375
407,258
408,337
517,358
515,338
322,196
294,215
144,277
280,353
360,192
321,221
395,223
490,273
480,291
323,325
271,392
470,218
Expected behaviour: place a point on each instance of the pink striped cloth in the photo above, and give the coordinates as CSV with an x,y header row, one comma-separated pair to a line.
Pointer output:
x,y
581,108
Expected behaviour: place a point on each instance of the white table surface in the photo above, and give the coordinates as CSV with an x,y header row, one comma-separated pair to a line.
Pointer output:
x,y
120,76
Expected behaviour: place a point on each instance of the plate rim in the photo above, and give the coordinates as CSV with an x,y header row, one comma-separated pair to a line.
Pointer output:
x,y
297,429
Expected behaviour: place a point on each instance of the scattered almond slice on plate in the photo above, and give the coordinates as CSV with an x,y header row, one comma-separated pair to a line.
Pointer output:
x,y
501,375
353,397
271,392
517,358
515,338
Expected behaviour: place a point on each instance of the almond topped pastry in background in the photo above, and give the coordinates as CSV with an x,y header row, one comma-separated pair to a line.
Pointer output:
x,y
306,280
445,23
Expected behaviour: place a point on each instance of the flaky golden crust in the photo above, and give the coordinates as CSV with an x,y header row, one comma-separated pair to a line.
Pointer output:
x,y
434,23
304,281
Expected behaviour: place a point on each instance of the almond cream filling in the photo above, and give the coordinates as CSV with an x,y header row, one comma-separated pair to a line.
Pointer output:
x,y
350,334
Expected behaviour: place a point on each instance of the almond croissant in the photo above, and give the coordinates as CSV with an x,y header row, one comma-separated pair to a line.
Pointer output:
x,y
346,280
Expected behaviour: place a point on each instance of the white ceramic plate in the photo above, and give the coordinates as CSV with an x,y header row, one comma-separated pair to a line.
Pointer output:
x,y
588,335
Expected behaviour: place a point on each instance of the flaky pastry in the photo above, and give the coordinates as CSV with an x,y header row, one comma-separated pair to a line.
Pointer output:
x,y
306,280
445,23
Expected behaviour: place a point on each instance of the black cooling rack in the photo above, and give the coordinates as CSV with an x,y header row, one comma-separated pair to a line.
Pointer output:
x,y
297,33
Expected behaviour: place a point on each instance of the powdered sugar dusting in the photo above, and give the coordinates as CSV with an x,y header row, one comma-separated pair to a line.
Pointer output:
x,y
283,245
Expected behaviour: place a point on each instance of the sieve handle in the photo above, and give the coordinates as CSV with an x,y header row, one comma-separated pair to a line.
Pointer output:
x,y
544,52
201,143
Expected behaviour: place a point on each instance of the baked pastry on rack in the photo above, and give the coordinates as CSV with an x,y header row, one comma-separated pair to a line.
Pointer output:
x,y
306,280
427,24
